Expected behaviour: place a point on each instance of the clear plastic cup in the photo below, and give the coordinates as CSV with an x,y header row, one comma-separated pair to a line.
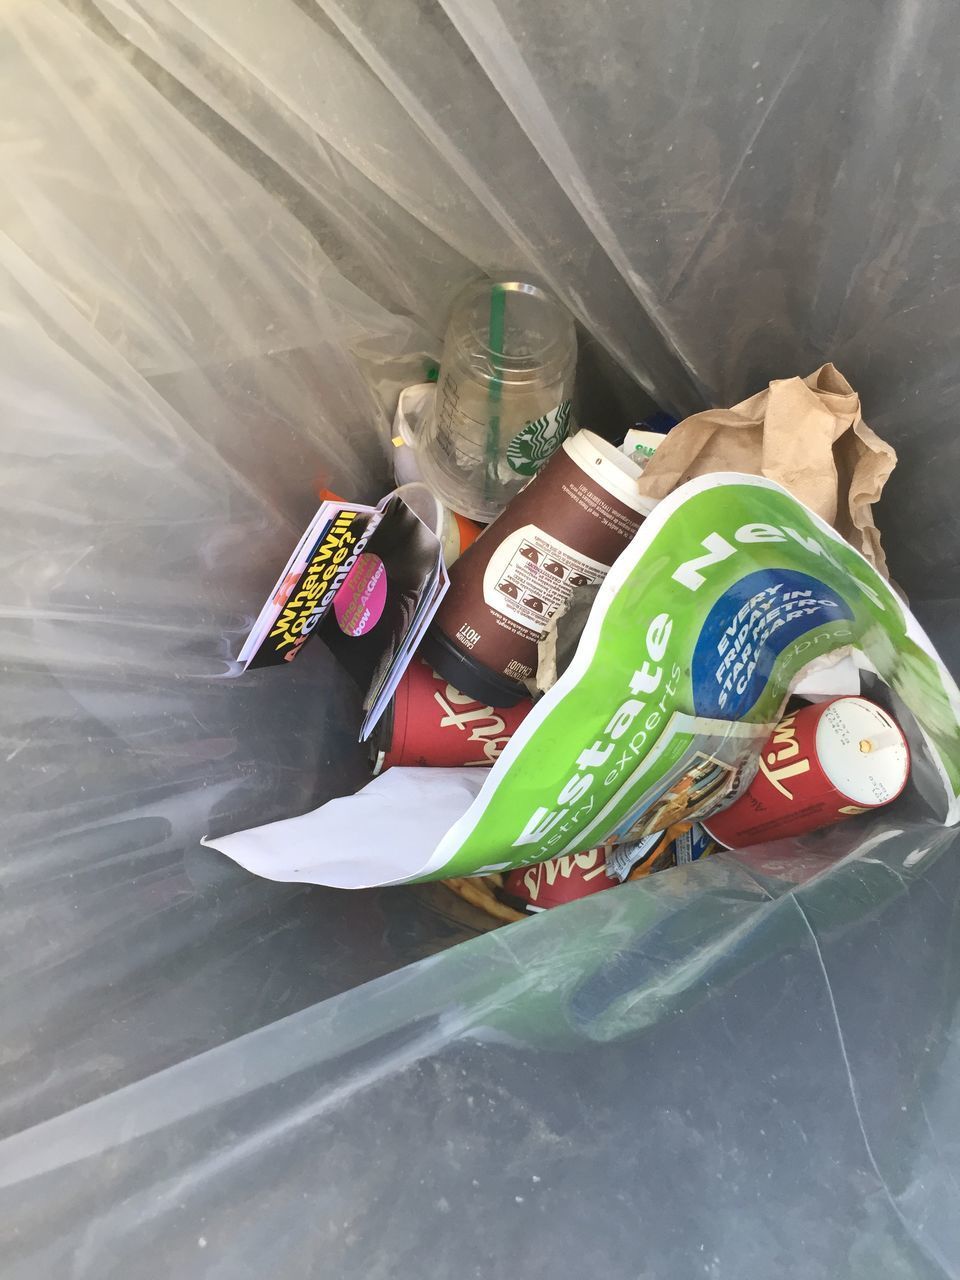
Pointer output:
x,y
503,402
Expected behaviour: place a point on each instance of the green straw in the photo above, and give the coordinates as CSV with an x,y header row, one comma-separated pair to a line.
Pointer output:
x,y
498,300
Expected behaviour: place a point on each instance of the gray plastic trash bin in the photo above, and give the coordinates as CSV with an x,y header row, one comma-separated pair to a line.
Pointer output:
x,y
230,234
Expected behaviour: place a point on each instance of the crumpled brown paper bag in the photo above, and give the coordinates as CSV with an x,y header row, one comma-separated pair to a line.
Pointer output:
x,y
805,433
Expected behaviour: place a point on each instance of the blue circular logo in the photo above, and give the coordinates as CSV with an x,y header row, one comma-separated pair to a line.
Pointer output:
x,y
747,630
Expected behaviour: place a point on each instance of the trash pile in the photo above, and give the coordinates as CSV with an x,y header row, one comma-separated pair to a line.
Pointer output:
x,y
587,660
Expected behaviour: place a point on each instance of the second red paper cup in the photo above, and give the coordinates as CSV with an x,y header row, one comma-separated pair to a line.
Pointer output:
x,y
823,763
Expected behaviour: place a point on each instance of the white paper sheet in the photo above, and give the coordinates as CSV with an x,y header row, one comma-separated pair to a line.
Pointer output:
x,y
833,679
383,834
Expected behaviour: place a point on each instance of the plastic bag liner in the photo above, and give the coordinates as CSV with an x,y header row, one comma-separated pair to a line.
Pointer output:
x,y
230,235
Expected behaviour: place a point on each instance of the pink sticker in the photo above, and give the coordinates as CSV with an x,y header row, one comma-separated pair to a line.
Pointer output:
x,y
359,602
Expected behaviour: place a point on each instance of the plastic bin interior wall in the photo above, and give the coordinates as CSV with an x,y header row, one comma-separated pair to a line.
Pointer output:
x,y
231,233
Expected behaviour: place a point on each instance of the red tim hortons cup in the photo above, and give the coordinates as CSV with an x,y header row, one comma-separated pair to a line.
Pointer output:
x,y
432,723
823,763
558,880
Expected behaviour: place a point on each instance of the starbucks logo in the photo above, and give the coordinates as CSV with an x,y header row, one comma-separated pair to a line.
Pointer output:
x,y
535,441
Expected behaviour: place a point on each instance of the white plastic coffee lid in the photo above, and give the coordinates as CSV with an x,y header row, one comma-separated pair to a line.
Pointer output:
x,y
412,407
605,464
862,751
